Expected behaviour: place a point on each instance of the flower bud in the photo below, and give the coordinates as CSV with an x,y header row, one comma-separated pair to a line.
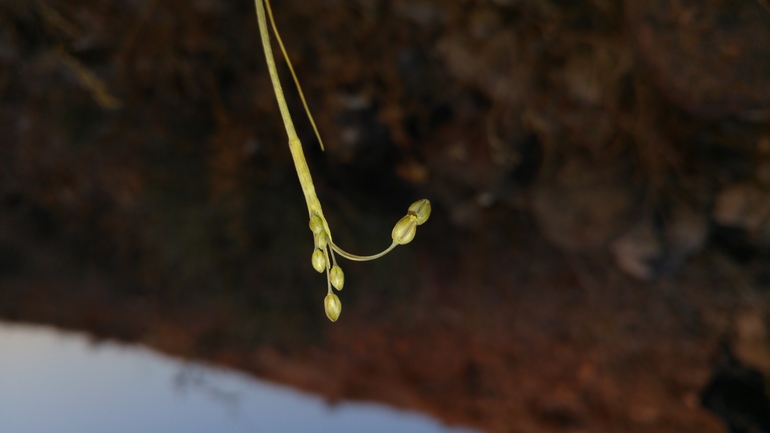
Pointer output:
x,y
333,307
321,240
405,229
319,260
316,224
337,277
421,210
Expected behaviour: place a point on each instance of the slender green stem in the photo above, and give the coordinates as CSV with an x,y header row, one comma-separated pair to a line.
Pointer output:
x,y
295,146
287,122
328,280
357,258
293,74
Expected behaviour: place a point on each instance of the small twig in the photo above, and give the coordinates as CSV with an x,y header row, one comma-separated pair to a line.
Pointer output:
x,y
90,81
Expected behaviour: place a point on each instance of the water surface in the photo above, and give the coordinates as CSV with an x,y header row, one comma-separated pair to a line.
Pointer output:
x,y
61,382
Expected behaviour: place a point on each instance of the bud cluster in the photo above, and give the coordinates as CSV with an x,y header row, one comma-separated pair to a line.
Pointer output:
x,y
406,227
323,258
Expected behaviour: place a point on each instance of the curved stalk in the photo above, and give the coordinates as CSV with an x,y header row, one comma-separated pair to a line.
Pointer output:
x,y
357,258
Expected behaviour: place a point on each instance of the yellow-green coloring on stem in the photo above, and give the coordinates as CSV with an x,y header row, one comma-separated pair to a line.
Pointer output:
x,y
323,257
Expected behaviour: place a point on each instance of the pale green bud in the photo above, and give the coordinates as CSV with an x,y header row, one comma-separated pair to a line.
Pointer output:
x,y
319,260
405,229
316,224
321,240
333,307
337,277
421,210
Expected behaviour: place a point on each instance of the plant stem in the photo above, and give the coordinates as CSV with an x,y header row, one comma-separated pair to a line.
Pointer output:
x,y
295,146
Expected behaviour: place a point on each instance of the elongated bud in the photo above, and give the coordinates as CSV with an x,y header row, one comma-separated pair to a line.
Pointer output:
x,y
316,224
421,210
405,229
333,307
321,240
337,277
319,260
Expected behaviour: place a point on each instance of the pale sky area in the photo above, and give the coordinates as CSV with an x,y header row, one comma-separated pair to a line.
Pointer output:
x,y
57,382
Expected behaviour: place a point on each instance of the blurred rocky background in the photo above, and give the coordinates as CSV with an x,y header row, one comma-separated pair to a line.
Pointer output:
x,y
598,258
